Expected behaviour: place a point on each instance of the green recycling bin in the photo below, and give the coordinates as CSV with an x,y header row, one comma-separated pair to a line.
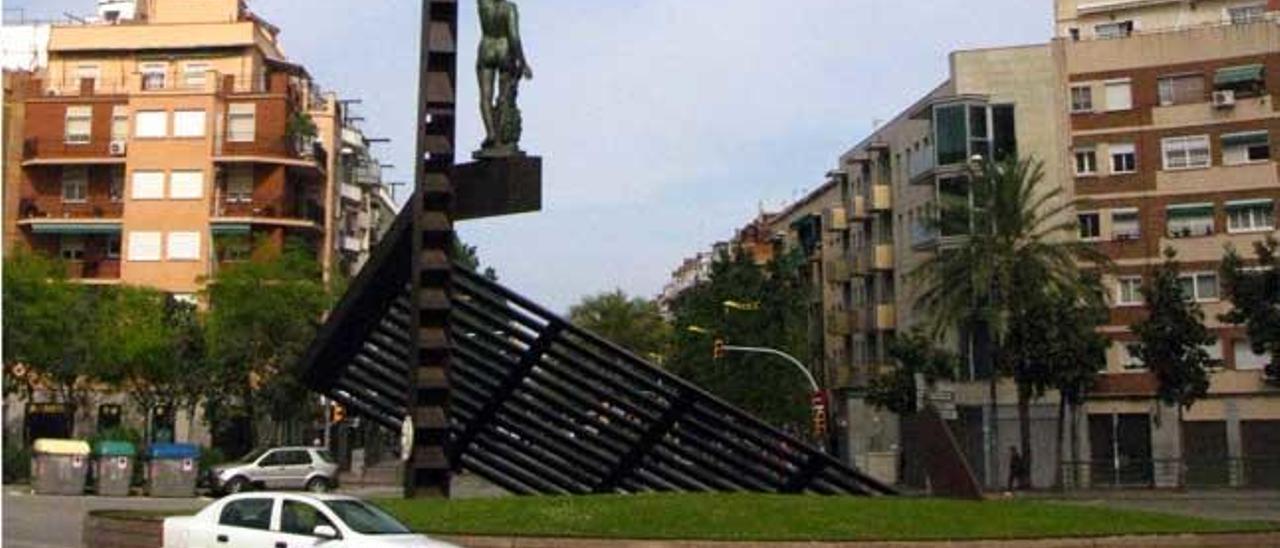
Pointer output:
x,y
172,469
114,468
59,467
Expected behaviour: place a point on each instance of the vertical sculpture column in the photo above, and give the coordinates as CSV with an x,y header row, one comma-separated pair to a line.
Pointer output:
x,y
428,471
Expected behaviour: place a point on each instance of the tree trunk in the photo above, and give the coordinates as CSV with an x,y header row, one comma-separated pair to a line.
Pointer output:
x,y
1024,435
1057,444
993,444
1075,445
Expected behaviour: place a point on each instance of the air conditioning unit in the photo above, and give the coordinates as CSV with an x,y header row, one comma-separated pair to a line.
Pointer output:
x,y
117,148
1224,99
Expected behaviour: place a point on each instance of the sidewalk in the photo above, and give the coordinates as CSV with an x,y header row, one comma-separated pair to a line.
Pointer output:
x,y
1224,504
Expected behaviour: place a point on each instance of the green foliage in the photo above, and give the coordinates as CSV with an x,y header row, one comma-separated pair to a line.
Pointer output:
x,y
763,385
777,518
1054,341
300,125
915,353
1172,338
17,459
469,258
1255,300
635,323
262,316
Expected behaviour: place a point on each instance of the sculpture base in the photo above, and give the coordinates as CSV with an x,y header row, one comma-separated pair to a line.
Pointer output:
x,y
498,152
494,186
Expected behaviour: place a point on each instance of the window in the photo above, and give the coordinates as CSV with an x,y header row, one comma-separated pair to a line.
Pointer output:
x,y
1004,132
1086,162
119,123
184,246
1250,216
949,123
194,75
1199,287
144,246
79,125
153,75
115,187
1090,226
113,246
241,123
148,185
1246,14
1082,98
87,72
1182,89
1119,95
1190,220
300,518
186,185
1125,224
188,123
185,298
1244,80
75,184
247,513
71,248
1124,158
151,124
1214,350
1246,359
1130,358
240,184
365,518
1186,152
1119,29
1244,148
1129,291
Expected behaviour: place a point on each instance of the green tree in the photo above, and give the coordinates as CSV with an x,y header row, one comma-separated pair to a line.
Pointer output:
x,y
635,323
45,319
469,257
916,354
763,385
1255,300
262,315
1018,240
1172,338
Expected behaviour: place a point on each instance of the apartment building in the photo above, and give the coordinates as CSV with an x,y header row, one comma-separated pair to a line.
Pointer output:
x,y
1173,128
164,139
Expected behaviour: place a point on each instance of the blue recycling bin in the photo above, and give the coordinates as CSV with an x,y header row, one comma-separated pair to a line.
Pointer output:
x,y
172,469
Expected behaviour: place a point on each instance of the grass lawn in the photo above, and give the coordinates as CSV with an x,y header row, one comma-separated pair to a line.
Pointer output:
x,y
783,518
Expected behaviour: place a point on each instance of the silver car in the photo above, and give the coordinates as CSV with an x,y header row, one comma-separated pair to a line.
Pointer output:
x,y
280,468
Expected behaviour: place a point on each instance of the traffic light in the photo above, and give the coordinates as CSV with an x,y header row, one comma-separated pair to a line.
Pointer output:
x,y
337,413
717,351
818,403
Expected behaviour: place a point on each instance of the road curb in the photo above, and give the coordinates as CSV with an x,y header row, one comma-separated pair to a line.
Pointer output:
x,y
1223,540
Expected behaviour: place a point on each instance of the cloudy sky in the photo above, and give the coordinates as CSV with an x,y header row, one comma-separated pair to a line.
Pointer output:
x,y
663,124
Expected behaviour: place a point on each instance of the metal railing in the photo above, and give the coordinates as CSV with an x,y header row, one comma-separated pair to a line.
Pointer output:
x,y
1266,18
1234,472
62,147
30,208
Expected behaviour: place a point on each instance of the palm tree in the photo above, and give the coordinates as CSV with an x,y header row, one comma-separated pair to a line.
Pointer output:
x,y
1018,238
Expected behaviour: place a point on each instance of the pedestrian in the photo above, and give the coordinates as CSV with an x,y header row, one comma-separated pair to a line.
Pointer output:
x,y
1016,468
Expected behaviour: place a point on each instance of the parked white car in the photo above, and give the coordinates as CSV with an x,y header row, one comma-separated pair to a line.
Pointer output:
x,y
291,520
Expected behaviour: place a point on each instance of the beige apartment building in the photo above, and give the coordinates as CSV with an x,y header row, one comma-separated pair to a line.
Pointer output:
x,y
1159,118
165,139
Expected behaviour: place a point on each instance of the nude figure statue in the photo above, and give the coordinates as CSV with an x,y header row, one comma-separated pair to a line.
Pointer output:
x,y
501,59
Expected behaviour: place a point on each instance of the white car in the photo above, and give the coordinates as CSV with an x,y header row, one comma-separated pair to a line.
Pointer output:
x,y
289,520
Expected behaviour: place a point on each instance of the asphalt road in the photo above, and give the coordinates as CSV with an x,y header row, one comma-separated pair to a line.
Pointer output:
x,y
36,521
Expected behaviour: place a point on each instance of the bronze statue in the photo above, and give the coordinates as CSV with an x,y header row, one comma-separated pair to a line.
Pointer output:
x,y
501,58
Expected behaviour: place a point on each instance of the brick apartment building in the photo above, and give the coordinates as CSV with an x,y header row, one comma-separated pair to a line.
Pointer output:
x,y
164,139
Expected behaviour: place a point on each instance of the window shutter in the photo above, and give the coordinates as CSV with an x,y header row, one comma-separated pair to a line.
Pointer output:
x,y
186,185
188,123
241,122
1119,96
148,185
144,246
152,123
184,246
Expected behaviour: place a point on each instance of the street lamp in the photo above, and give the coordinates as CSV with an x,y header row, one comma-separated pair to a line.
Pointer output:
x,y
741,306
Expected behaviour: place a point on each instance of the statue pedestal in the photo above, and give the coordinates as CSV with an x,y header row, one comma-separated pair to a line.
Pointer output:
x,y
497,185
498,152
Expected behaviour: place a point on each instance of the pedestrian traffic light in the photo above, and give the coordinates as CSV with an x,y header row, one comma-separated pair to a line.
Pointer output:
x,y
337,413
717,351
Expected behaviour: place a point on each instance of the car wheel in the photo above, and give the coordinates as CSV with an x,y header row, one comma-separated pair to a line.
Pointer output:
x,y
236,485
318,485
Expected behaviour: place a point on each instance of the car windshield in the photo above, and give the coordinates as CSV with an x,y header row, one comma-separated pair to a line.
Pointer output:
x,y
365,518
253,456
325,456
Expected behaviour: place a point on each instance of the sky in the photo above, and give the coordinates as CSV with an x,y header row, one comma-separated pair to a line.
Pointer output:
x,y
664,125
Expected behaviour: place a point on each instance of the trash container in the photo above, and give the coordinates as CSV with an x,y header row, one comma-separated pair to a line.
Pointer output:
x,y
114,470
172,469
60,467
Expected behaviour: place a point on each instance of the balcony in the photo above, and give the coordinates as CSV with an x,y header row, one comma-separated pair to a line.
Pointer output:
x,y
51,208
90,271
881,198
57,151
351,192
922,163
297,213
352,244
838,323
284,150
886,317
858,209
839,270
883,257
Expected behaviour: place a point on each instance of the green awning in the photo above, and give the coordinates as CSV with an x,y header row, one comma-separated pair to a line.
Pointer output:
x,y
1190,210
229,229
1250,203
1238,75
75,228
1245,139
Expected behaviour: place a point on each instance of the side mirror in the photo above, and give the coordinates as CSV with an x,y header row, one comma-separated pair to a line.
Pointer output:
x,y
326,532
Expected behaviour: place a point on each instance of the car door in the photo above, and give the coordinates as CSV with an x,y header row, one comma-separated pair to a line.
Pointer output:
x,y
245,523
272,469
299,466
298,521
